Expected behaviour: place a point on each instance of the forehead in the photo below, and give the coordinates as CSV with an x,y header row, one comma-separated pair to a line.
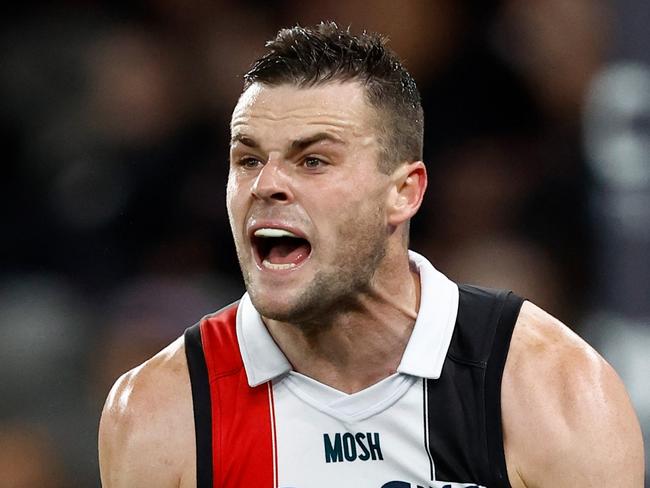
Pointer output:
x,y
339,106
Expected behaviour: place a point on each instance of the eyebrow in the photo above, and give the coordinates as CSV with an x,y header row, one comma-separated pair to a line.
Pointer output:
x,y
245,140
296,145
305,142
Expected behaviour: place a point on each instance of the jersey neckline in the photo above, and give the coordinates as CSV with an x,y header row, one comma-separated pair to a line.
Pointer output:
x,y
425,351
346,407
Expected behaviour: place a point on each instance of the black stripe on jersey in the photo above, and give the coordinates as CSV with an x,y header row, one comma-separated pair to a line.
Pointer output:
x,y
202,405
463,405
425,410
493,377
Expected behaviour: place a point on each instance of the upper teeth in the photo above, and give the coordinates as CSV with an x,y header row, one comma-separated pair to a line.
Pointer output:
x,y
268,232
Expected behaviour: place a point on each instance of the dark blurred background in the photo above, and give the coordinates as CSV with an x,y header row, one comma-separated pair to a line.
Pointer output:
x,y
114,125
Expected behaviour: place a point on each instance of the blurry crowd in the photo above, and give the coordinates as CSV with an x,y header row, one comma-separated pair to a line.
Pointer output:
x,y
115,155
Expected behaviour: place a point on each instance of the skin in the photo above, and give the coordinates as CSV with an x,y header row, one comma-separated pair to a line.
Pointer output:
x,y
302,159
332,192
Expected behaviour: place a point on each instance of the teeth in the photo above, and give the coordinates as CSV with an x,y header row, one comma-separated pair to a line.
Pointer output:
x,y
270,265
268,232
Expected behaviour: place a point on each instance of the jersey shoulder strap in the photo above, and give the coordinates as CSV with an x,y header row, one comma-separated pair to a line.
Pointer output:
x,y
486,321
464,429
233,423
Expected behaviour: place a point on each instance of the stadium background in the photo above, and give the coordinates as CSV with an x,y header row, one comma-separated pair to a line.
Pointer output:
x,y
114,154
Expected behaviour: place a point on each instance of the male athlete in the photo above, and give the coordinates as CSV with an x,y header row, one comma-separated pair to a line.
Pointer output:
x,y
350,361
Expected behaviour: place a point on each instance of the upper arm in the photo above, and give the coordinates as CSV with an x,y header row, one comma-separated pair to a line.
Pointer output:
x,y
567,418
145,433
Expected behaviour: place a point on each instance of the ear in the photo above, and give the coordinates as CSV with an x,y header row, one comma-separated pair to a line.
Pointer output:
x,y
409,183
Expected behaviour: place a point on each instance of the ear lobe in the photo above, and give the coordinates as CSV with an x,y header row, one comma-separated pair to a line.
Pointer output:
x,y
410,183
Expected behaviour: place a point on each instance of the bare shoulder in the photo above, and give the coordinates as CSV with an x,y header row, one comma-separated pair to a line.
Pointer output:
x,y
567,418
146,433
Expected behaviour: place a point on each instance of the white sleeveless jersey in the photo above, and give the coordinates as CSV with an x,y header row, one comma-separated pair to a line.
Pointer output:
x,y
375,438
271,426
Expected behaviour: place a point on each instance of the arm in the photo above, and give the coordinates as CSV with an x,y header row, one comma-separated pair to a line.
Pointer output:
x,y
146,432
567,418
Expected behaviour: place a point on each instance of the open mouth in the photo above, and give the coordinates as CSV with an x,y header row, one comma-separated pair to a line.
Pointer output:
x,y
279,249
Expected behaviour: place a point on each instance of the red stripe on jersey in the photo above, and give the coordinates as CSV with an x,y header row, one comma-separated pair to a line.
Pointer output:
x,y
243,445
275,436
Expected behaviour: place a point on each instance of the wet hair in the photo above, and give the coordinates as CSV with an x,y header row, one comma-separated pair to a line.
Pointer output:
x,y
307,57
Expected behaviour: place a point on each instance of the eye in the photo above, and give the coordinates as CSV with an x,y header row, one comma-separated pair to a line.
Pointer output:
x,y
249,162
312,162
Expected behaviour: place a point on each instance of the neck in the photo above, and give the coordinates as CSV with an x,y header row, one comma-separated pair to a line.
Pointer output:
x,y
363,344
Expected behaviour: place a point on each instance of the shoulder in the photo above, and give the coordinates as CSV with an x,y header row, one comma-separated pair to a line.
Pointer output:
x,y
567,418
146,434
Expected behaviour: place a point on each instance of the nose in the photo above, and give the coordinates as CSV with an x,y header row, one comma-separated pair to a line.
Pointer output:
x,y
272,183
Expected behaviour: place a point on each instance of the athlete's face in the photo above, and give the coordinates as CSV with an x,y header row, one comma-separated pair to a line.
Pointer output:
x,y
306,199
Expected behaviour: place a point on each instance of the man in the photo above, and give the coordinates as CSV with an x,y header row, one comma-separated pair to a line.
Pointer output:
x,y
351,362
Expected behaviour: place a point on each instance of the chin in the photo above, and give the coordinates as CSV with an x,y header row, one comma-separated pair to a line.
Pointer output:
x,y
274,305
275,296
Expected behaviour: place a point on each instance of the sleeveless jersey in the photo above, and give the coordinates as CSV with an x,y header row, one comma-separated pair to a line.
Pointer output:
x,y
435,423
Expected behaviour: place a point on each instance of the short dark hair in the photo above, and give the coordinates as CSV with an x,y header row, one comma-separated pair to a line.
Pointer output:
x,y
313,56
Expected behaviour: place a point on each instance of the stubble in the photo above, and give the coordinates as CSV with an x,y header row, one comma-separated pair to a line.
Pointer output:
x,y
361,245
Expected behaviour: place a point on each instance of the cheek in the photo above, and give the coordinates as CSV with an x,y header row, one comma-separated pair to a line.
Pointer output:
x,y
233,195
331,209
358,200
350,217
